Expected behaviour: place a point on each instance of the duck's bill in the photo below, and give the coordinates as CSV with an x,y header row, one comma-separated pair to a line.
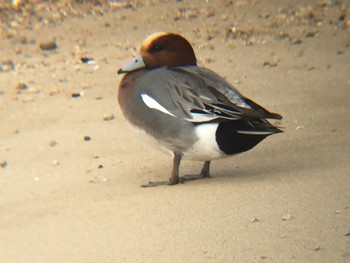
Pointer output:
x,y
136,64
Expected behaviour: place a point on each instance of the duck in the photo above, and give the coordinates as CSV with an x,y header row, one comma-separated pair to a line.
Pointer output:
x,y
189,111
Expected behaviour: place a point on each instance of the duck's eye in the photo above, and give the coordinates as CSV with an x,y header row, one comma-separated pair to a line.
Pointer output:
x,y
157,48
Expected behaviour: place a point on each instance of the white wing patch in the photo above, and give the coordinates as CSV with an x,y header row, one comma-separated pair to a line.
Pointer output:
x,y
153,104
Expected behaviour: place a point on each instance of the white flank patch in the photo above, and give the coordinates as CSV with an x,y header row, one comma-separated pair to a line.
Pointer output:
x,y
205,148
153,104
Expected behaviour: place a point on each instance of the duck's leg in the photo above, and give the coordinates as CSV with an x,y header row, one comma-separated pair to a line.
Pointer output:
x,y
203,174
174,179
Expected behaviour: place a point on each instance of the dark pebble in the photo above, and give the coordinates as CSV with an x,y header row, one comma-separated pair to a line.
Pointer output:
x,y
86,59
50,45
87,138
75,95
3,164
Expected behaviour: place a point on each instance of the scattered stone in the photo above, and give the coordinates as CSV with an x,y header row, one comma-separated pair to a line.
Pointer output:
x,y
90,61
54,91
253,220
52,143
187,13
286,217
271,64
100,166
317,248
310,34
208,12
7,65
116,4
311,67
295,41
55,162
86,59
300,127
3,164
85,86
87,138
33,90
347,233
48,45
21,87
98,97
224,17
108,117
282,35
234,32
75,95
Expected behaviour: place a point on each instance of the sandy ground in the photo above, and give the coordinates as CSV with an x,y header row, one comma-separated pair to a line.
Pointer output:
x,y
64,198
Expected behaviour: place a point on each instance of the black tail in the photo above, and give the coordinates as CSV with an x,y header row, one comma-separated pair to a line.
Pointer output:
x,y
242,135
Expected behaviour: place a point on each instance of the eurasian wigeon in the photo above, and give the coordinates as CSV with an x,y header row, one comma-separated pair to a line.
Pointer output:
x,y
190,111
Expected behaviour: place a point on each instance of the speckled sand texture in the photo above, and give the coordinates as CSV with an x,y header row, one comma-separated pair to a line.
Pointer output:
x,y
71,168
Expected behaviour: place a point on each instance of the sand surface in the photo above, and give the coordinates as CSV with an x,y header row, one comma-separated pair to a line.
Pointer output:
x,y
71,168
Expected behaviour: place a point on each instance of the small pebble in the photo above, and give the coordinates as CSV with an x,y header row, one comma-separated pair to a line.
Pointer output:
x,y
318,248
254,220
49,45
311,67
54,91
286,217
271,64
3,164
86,59
33,90
55,162
100,166
21,86
347,233
310,34
108,117
7,65
87,138
296,41
75,95
52,143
